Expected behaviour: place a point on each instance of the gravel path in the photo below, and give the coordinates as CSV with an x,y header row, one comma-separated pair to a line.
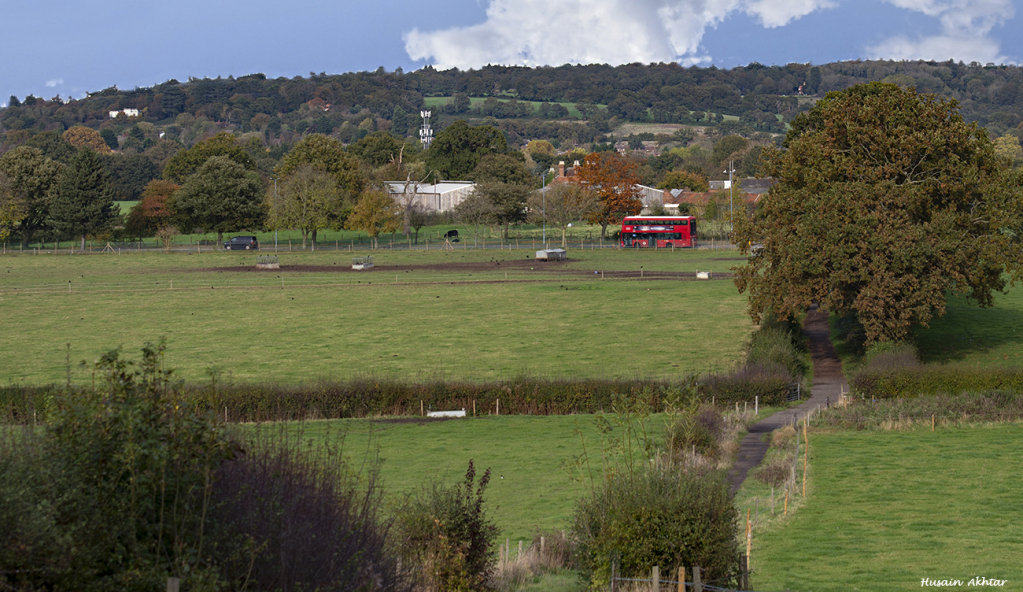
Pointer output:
x,y
828,384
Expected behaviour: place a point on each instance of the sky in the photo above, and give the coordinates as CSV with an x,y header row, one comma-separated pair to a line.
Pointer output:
x,y
52,48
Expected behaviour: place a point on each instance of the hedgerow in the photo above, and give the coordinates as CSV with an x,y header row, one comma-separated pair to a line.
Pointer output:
x,y
912,381
366,397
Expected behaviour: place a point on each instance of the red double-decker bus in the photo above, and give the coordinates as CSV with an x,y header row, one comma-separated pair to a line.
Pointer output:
x,y
659,231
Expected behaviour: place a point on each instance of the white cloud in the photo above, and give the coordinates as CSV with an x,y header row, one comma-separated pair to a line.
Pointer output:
x,y
778,13
55,82
965,32
537,32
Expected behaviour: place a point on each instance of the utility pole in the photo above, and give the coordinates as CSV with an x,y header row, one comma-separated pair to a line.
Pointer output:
x,y
731,202
276,224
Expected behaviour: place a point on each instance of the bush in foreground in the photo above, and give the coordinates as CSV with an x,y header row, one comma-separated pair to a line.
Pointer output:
x,y
446,534
126,485
658,516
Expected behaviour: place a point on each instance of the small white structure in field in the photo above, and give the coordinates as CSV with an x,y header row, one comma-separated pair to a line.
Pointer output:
x,y
362,262
552,255
703,275
446,413
268,262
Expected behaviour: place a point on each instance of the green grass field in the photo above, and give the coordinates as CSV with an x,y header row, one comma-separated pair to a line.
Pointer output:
x,y
538,491
977,336
967,334
125,206
887,509
435,102
294,327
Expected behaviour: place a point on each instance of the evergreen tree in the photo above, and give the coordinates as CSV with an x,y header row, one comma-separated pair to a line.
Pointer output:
x,y
82,201
399,122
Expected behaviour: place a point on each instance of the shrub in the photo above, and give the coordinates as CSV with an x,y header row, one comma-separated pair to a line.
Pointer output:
x,y
890,355
127,485
657,517
776,469
778,343
293,518
699,428
446,534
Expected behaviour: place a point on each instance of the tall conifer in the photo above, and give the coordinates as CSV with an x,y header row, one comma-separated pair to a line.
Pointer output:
x,y
82,201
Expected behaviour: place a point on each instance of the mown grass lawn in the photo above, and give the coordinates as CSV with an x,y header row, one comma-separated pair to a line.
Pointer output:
x,y
292,327
887,509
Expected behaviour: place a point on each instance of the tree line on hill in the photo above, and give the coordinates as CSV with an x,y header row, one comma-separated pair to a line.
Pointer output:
x,y
351,105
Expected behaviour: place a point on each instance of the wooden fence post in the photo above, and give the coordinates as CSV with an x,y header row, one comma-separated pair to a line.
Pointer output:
x,y
173,584
806,452
681,578
655,579
744,573
697,580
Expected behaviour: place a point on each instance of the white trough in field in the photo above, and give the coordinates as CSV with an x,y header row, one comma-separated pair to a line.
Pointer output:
x,y
460,413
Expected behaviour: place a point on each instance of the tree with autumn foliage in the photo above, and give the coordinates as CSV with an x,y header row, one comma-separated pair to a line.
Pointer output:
x,y
615,180
375,212
80,136
886,201
152,212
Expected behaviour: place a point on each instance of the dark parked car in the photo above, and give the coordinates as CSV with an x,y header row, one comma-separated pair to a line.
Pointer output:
x,y
242,243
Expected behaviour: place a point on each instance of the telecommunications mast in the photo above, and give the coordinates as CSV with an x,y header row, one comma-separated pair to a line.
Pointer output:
x,y
425,132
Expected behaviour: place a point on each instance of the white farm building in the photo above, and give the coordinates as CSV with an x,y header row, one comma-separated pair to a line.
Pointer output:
x,y
434,197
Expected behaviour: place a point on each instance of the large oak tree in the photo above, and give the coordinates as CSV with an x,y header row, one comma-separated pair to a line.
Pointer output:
x,y
221,197
458,148
885,201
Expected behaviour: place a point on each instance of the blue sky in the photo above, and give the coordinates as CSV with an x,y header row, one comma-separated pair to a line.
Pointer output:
x,y
49,49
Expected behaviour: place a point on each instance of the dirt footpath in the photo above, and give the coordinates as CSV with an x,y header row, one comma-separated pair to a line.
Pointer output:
x,y
828,384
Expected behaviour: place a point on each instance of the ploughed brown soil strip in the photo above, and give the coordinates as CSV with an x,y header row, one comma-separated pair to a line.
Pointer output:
x,y
525,264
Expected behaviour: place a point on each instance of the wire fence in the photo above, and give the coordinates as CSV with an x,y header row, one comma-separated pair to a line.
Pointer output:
x,y
349,245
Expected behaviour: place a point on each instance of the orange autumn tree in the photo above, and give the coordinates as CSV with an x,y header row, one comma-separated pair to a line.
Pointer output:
x,y
152,212
615,181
